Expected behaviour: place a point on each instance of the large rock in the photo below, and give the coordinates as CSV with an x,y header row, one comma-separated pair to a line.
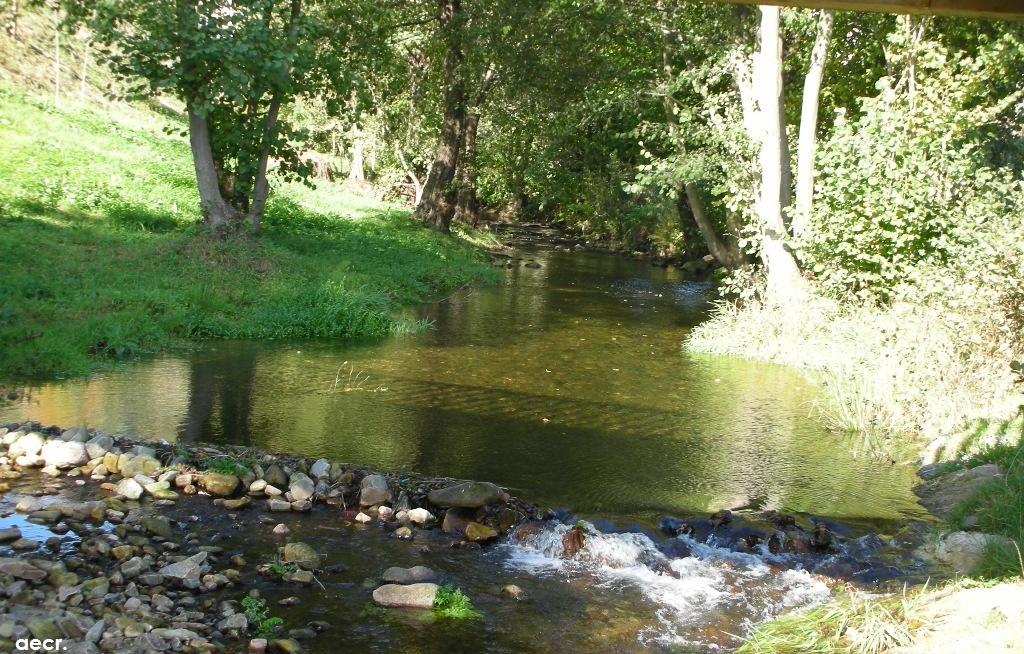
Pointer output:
x,y
413,575
301,487
141,464
275,476
942,494
320,468
64,454
189,568
21,569
98,446
220,484
28,445
419,596
129,488
374,490
963,550
301,555
467,495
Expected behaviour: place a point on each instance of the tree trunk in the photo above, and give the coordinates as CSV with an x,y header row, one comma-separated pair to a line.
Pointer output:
x,y
355,170
56,67
217,214
809,126
468,210
436,206
725,251
784,280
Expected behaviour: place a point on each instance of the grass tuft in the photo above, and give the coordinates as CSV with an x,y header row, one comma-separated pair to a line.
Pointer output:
x,y
451,602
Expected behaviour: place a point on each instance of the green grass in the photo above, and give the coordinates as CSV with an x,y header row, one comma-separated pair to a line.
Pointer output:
x,y
258,614
450,602
104,259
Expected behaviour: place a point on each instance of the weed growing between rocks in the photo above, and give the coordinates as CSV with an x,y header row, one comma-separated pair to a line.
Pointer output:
x,y
451,602
258,614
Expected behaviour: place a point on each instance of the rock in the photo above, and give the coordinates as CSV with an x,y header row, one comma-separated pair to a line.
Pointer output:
x,y
300,487
257,487
274,475
64,454
96,587
284,646
129,488
298,577
420,596
469,495
480,533
21,569
27,505
235,505
302,555
512,592
236,622
189,568
385,513
27,445
362,518
155,487
421,516
9,534
98,446
931,471
963,550
413,575
403,533
455,521
158,526
133,567
374,490
257,646
281,529
302,505
275,504
320,468
572,542
220,484
272,491
140,464
43,628
942,494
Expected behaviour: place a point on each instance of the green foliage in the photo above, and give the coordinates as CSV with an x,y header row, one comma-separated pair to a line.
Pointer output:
x,y
450,602
106,203
281,569
227,465
258,614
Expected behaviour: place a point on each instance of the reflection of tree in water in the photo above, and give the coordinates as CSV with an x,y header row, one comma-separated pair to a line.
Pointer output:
x,y
220,398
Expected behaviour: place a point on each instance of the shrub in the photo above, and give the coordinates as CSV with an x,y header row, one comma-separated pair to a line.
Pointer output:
x,y
450,602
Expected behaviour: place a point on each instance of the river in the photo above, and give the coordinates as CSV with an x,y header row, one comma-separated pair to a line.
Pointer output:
x,y
566,383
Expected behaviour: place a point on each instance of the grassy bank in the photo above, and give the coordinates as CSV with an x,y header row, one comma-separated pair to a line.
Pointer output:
x,y
104,261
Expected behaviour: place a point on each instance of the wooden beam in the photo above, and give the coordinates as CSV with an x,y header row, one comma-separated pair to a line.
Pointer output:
x,y
999,9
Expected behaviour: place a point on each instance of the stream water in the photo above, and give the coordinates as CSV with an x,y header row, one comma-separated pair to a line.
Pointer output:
x,y
566,383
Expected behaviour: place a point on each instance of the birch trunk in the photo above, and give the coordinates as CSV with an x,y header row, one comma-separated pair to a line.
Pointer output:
x,y
809,126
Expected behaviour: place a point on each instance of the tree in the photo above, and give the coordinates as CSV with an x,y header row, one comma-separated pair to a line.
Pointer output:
x,y
235,66
809,124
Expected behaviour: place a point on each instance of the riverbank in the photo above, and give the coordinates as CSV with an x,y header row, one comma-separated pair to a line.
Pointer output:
x,y
101,207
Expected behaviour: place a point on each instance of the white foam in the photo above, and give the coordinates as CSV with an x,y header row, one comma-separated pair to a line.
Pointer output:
x,y
686,593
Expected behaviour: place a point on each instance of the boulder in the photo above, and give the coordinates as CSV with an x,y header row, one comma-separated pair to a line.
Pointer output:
x,y
129,488
413,575
962,550
275,476
75,434
942,494
98,446
320,468
420,516
420,596
480,533
301,487
189,568
468,495
140,464
374,490
455,521
64,454
302,555
27,445
220,484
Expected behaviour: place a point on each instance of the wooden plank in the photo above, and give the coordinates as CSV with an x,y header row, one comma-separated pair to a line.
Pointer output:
x,y
1000,9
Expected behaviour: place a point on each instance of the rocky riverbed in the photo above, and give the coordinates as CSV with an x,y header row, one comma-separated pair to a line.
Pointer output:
x,y
116,545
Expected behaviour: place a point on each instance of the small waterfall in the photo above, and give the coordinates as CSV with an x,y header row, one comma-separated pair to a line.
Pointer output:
x,y
709,589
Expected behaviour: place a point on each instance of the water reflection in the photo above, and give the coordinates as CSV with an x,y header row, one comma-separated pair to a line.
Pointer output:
x,y
566,383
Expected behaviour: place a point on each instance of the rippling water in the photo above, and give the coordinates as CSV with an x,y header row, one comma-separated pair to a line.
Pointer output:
x,y
566,383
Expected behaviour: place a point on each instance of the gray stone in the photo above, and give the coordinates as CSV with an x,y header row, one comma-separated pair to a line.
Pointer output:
x,y
942,494
189,568
320,468
419,596
140,464
468,495
302,555
300,487
963,550
21,569
236,622
158,526
9,534
98,445
374,490
275,476
413,575
75,435
276,504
